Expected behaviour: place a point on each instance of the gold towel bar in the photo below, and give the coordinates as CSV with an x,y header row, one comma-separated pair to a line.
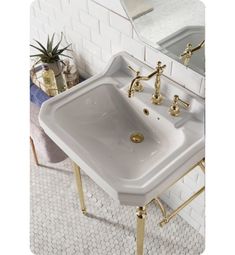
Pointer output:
x,y
158,202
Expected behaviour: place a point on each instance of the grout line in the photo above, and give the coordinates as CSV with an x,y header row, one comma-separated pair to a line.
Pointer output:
x,y
99,26
171,69
109,18
200,86
145,53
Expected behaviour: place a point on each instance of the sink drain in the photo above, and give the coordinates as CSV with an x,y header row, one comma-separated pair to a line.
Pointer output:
x,y
137,137
146,111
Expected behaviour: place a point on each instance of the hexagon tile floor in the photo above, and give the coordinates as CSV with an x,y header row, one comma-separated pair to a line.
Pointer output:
x,y
57,226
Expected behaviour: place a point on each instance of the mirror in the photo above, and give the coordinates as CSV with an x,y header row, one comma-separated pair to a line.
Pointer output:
x,y
175,27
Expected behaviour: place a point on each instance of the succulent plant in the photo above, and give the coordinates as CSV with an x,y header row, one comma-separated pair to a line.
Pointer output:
x,y
50,53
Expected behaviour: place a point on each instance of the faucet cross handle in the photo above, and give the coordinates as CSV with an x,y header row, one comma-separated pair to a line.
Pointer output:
x,y
160,68
138,87
187,54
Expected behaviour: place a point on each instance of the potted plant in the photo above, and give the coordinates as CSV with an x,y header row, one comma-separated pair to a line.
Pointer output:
x,y
50,55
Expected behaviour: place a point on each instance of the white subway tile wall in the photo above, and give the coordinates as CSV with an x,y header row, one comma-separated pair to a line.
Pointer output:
x,y
98,11
203,89
96,34
121,24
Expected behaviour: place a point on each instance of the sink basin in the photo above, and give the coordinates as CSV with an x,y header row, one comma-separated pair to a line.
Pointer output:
x,y
102,125
93,123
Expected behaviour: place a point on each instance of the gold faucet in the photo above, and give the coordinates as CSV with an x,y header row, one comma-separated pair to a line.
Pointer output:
x,y
188,52
138,87
174,108
157,97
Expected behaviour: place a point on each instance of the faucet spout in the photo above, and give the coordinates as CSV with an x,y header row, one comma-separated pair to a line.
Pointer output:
x,y
134,81
157,97
137,79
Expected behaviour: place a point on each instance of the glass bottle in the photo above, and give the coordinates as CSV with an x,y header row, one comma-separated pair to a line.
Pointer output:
x,y
59,76
49,81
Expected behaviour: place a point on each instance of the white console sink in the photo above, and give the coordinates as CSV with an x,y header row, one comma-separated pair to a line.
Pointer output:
x,y
93,122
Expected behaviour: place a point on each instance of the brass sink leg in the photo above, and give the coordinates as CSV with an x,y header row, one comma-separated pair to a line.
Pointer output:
x,y
34,151
141,215
78,177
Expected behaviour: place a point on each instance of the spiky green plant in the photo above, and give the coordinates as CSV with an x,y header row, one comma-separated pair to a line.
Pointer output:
x,y
50,53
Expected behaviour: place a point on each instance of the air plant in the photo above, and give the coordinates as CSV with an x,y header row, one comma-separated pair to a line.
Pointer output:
x,y
50,53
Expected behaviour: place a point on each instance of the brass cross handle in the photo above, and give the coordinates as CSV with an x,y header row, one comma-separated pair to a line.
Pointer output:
x,y
160,68
188,50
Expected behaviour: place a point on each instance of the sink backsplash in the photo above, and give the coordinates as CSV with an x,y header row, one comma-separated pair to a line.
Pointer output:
x,y
119,71
98,33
